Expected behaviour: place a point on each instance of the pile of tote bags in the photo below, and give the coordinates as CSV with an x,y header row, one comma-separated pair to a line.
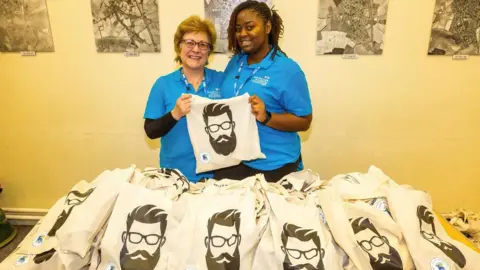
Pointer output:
x,y
155,219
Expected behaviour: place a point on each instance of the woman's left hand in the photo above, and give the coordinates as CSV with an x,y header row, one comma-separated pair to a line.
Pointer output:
x,y
258,108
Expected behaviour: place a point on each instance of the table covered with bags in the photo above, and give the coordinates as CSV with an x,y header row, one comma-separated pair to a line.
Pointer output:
x,y
155,219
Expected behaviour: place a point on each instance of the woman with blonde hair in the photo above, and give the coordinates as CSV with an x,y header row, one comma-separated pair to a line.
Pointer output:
x,y
170,97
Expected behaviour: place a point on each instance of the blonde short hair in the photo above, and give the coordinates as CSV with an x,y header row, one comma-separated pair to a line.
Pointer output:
x,y
194,24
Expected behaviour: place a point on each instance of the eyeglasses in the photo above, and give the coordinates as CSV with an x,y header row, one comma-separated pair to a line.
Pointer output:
x,y
219,241
204,46
430,236
225,125
297,254
136,238
74,201
374,242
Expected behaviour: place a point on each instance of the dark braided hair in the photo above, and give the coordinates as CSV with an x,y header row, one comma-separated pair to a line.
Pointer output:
x,y
267,15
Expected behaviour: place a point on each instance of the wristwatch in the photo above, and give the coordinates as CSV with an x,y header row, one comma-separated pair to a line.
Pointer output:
x,y
269,116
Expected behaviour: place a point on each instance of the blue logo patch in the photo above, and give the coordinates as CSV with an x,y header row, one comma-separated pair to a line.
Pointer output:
x,y
381,204
110,266
38,241
22,260
439,264
259,80
204,157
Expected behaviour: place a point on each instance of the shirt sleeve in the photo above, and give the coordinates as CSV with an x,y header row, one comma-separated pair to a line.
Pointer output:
x,y
296,96
155,107
159,127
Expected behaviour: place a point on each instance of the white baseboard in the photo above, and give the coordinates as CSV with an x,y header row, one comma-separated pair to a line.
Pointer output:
x,y
24,216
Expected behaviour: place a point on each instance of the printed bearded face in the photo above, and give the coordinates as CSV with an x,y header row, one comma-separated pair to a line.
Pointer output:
x,y
220,128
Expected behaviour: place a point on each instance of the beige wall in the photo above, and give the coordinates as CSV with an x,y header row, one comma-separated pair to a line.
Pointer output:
x,y
69,115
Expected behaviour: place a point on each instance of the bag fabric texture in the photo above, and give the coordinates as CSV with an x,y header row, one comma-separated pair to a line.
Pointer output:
x,y
223,132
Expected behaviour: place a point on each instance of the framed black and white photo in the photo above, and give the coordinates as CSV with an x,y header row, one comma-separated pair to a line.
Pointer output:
x,y
351,27
126,25
455,28
25,26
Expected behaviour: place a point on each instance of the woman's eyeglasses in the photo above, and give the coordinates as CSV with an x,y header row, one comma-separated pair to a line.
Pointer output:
x,y
204,46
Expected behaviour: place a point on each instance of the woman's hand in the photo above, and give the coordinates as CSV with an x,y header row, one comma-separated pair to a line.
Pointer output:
x,y
258,108
280,121
182,107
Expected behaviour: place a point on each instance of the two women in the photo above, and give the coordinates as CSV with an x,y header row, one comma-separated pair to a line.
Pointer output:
x,y
278,88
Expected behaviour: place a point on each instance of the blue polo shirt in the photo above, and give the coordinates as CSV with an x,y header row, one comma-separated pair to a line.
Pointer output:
x,y
282,86
176,150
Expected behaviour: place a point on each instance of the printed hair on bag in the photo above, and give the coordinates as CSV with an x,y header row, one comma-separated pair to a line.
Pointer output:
x,y
223,241
382,255
180,182
220,128
427,230
286,184
44,256
143,238
302,248
74,198
350,178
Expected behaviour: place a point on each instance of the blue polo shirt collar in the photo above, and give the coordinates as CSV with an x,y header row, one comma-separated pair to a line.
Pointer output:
x,y
264,64
177,75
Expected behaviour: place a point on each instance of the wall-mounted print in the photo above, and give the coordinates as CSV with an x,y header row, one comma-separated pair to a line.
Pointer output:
x,y
351,26
25,26
126,25
455,28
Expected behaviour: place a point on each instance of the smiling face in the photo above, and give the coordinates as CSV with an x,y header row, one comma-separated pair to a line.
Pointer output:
x,y
194,50
252,31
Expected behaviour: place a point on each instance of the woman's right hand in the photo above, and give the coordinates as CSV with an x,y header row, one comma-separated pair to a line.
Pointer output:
x,y
182,107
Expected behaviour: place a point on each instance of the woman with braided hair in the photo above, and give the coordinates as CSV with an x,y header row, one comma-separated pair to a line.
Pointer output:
x,y
278,88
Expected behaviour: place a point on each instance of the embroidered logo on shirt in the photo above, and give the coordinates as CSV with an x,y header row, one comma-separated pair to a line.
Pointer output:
x,y
439,264
259,80
214,94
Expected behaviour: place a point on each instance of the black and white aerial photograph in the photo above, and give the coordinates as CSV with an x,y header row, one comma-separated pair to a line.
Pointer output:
x,y
25,26
126,25
218,12
351,27
455,28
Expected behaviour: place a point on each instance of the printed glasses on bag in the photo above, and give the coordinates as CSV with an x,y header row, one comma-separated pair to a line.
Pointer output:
x,y
136,238
297,254
225,126
374,242
219,241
